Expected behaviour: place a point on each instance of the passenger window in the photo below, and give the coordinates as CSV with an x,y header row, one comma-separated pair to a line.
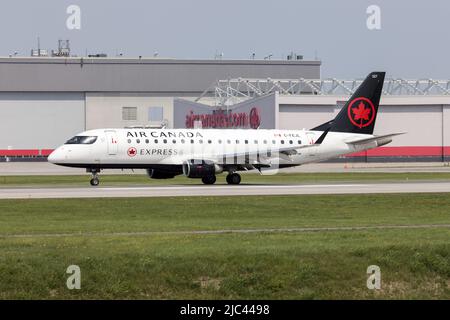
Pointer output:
x,y
265,141
220,141
138,141
209,141
200,141
192,141
129,140
182,141
274,142
256,141
156,140
146,141
228,141
246,141
174,141
165,141
299,142
237,141
291,142
282,141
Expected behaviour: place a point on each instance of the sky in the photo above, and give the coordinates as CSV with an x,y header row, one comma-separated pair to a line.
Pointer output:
x,y
413,42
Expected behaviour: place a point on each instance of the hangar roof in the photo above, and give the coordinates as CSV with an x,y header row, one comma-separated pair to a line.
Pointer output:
x,y
171,77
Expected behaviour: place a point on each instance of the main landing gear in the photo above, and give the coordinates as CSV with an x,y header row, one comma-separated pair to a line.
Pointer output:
x,y
209,179
233,178
95,181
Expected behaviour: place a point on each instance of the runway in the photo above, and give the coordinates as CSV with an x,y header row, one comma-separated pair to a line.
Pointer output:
x,y
224,190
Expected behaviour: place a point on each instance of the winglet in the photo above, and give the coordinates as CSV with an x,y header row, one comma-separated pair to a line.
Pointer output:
x,y
322,137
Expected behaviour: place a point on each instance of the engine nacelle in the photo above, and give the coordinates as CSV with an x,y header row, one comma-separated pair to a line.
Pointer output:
x,y
158,174
200,168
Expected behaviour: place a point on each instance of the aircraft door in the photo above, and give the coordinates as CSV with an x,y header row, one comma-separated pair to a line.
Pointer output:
x,y
112,141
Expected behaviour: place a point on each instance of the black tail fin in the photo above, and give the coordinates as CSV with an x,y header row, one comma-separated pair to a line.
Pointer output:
x,y
360,112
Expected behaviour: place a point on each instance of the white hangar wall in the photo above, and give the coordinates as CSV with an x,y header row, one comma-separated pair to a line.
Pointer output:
x,y
424,119
30,119
106,110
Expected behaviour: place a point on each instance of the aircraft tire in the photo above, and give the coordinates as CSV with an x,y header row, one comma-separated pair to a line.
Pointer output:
x,y
95,182
209,179
233,178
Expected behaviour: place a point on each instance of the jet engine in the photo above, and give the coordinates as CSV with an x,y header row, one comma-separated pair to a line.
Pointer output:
x,y
200,168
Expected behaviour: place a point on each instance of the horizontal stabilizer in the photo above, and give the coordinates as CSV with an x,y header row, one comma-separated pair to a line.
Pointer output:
x,y
381,138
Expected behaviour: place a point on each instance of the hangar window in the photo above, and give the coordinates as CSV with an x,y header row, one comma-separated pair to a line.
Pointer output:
x,y
129,113
82,140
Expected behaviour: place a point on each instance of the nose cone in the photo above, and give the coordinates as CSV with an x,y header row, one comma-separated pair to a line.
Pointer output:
x,y
56,156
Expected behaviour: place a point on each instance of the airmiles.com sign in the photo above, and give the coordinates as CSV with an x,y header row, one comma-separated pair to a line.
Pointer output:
x,y
222,119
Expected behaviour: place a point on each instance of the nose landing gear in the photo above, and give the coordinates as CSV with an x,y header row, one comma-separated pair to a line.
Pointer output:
x,y
95,181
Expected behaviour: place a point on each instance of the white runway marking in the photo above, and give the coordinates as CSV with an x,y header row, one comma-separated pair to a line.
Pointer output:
x,y
225,190
224,231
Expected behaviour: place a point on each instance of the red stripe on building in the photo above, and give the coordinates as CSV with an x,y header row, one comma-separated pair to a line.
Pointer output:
x,y
404,152
20,153
46,152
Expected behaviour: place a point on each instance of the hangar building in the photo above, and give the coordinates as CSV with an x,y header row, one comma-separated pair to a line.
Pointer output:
x,y
44,101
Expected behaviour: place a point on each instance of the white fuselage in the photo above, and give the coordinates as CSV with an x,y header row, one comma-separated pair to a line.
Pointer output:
x,y
141,148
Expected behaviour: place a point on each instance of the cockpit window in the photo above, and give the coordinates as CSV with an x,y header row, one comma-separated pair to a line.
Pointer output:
x,y
82,140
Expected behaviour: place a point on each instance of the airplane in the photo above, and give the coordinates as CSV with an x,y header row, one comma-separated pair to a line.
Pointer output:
x,y
205,153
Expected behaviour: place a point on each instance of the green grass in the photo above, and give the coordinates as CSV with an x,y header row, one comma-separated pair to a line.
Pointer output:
x,y
137,179
415,263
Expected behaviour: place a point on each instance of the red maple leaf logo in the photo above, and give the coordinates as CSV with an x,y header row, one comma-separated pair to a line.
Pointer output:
x,y
132,152
361,113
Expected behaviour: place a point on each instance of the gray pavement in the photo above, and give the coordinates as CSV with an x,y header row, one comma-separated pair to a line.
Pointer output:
x,y
223,190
